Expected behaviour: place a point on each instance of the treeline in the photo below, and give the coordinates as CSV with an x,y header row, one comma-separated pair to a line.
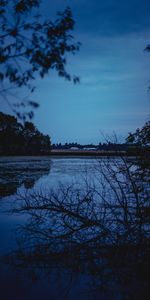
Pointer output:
x,y
136,143
72,145
21,139
101,146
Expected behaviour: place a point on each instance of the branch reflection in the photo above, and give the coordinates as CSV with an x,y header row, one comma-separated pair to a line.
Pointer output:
x,y
101,232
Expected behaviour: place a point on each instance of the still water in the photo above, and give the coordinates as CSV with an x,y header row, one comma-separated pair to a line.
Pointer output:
x,y
31,276
18,174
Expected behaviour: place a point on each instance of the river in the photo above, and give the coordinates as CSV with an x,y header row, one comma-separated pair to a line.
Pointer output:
x,y
23,276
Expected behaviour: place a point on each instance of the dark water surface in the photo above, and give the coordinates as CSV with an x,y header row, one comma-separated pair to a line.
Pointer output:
x,y
18,174
21,174
27,277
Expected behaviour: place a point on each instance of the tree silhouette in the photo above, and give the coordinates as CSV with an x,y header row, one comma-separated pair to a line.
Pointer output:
x,y
18,139
139,142
31,46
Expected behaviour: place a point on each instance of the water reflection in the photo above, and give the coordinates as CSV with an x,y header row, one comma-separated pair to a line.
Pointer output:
x,y
24,170
100,234
79,243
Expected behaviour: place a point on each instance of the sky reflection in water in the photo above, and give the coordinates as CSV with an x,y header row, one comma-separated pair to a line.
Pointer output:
x,y
31,275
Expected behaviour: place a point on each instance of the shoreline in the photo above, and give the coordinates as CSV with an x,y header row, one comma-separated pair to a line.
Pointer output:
x,y
75,153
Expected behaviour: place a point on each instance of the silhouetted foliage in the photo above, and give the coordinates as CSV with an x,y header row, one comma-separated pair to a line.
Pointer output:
x,y
31,46
139,143
140,136
18,139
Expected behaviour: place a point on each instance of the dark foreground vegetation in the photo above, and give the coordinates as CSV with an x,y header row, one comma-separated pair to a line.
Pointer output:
x,y
32,45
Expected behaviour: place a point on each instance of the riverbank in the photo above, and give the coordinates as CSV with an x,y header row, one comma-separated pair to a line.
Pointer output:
x,y
82,153
94,153
74,153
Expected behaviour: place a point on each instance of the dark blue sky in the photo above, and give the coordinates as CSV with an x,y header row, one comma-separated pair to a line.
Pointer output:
x,y
114,71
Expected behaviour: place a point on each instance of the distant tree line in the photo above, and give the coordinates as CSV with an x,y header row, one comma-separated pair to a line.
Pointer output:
x,y
135,142
21,139
72,145
101,146
26,139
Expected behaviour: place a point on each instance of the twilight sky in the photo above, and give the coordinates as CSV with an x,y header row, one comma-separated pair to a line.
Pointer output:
x,y
113,68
